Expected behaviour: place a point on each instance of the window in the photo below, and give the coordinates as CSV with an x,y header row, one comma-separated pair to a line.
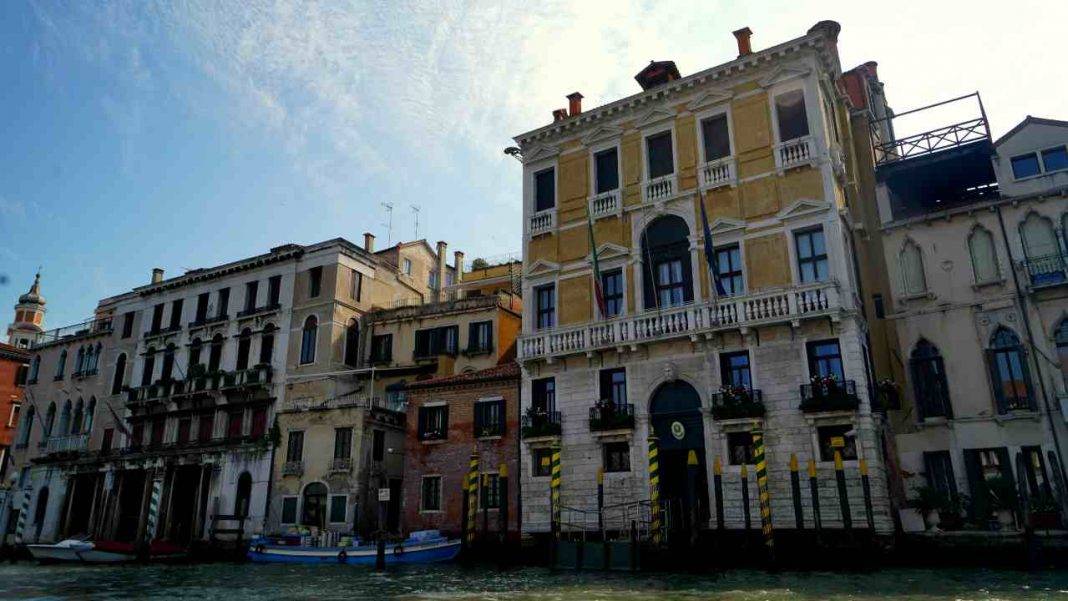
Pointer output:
x,y
295,446
432,279
715,138
660,160
545,306
259,423
837,438
202,307
543,394
267,344
913,280
106,439
734,369
157,318
614,386
61,365
984,258
148,367
407,265
811,255
666,276
480,337
616,456
338,508
1039,237
274,290
740,448
185,426
127,324
167,369
544,189
938,471
880,306
356,286
541,459
825,359
352,343
1061,340
436,341
382,348
308,339
315,281
244,346
224,304
13,417
159,425
929,381
1055,159
612,287
729,269
251,289
433,422
670,288
606,170
342,443
176,314
378,445
489,418
215,353
491,491
1009,372
234,424
289,510
1025,165
118,378
206,427
791,116
430,499
35,369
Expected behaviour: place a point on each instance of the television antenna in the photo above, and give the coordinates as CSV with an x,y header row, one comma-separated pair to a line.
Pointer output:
x,y
415,209
389,222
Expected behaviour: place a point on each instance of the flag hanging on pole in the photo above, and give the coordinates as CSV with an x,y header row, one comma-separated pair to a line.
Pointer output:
x,y
598,289
710,253
119,422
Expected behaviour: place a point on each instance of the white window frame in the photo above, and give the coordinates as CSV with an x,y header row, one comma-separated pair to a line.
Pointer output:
x,y
441,494
1041,163
653,130
530,171
12,419
800,83
833,420
597,149
795,268
621,264
406,266
715,111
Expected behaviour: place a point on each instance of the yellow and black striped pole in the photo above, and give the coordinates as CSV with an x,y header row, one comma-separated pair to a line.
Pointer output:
x,y
654,491
554,491
865,484
744,473
717,489
472,497
762,489
795,492
814,490
843,493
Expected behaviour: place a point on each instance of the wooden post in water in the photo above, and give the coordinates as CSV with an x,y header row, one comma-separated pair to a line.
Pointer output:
x,y
865,484
485,507
472,498
554,487
463,517
795,492
762,491
691,494
600,502
745,499
717,489
502,513
814,490
654,491
843,494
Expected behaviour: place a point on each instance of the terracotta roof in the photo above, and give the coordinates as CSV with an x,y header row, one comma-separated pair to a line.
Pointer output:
x,y
505,371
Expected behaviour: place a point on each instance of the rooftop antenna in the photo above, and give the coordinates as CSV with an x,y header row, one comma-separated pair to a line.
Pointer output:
x,y
415,209
389,222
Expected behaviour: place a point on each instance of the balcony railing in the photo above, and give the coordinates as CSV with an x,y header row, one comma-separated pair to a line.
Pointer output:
x,y
199,323
774,306
794,153
609,416
543,222
341,465
541,424
85,328
719,172
737,403
217,381
68,444
433,434
660,188
293,468
1049,270
605,204
829,396
253,311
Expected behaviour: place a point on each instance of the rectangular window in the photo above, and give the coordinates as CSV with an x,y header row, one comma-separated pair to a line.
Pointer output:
x,y
729,269
880,305
436,341
315,281
289,510
407,267
259,423
612,286
433,422
202,307
938,468
357,286
545,306
431,494
157,317
206,427
480,337
541,460
342,443
734,369
234,424
127,324
176,314
792,118
543,394
715,138
274,290
740,448
251,289
825,359
545,189
106,440
338,508
185,426
659,155
159,425
1025,165
606,168
811,249
432,279
1055,159
378,445
616,456
224,304
295,446
137,434
382,348
491,491
670,288
835,438
614,386
489,418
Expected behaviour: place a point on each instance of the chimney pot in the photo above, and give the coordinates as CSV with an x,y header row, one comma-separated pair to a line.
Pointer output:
x,y
369,242
458,265
745,47
574,103
157,275
559,115
441,270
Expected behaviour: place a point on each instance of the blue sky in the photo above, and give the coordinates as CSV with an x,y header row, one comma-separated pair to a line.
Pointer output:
x,y
186,134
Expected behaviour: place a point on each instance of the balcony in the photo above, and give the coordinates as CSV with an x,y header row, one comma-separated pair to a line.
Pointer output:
x,y
78,330
157,332
340,465
253,376
543,222
160,389
660,188
689,321
207,321
717,173
259,311
794,153
293,468
605,204
829,395
74,443
609,416
1050,270
541,423
734,402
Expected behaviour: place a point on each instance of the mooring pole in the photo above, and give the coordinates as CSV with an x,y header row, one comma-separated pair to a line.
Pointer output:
x,y
843,494
463,517
654,491
795,492
472,498
485,507
814,490
745,499
717,489
554,502
502,513
600,502
762,490
691,493
865,484
380,548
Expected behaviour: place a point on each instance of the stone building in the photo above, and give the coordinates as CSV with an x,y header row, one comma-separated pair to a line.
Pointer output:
x,y
14,367
765,144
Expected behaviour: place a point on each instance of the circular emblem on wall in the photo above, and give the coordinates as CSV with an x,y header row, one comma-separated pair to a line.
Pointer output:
x,y
678,430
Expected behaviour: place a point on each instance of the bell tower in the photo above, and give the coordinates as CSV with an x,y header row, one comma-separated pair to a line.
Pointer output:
x,y
29,316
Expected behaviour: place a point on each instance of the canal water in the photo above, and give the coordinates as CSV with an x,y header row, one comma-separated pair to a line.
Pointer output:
x,y
260,583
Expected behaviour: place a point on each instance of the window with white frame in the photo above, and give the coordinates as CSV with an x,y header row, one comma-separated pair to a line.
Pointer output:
x,y
812,264
545,189
407,266
658,152
791,117
606,170
715,137
544,306
984,257
729,269
612,287
913,279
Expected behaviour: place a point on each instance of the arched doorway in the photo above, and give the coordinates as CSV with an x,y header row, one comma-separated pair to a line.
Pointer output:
x,y
40,511
244,493
675,416
314,505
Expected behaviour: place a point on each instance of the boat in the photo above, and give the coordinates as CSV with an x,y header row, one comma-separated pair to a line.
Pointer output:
x,y
426,546
75,550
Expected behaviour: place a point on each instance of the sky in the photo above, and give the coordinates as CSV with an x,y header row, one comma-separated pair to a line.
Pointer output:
x,y
186,134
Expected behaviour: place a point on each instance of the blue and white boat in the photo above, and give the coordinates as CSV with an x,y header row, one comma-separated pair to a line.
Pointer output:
x,y
427,546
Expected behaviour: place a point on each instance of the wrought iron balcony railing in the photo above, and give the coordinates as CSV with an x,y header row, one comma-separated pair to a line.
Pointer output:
x,y
67,444
485,429
341,465
1050,270
610,416
738,403
293,468
541,424
829,396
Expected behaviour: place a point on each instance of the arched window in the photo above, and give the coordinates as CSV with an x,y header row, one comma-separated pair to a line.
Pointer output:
x,y
95,363
1061,339
79,362
314,505
929,381
352,343
194,352
1009,372
35,368
1045,264
244,494
26,427
149,366
76,420
119,378
64,419
308,338
50,419
215,353
167,369
267,344
244,345
913,279
984,257
667,277
61,366
90,413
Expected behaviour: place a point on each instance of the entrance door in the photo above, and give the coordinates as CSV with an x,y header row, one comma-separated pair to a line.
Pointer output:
x,y
675,412
314,505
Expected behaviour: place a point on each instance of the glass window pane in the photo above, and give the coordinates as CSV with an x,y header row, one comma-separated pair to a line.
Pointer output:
x,y
792,119
1055,159
714,135
544,190
1025,166
658,149
606,163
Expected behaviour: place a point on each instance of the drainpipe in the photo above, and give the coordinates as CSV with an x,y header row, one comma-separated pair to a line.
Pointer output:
x,y
1021,300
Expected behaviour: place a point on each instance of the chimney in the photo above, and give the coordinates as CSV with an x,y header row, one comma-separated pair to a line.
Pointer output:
x,y
574,103
441,270
369,242
559,115
157,275
744,46
458,265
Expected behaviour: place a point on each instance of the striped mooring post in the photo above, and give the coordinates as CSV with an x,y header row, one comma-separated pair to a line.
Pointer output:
x,y
762,490
865,484
814,489
20,527
554,490
472,497
795,491
744,473
717,489
843,493
153,510
463,513
654,491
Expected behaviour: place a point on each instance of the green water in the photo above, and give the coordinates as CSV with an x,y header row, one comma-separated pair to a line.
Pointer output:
x,y
240,582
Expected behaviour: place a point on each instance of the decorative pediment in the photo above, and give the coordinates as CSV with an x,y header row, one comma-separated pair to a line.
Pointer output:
x,y
540,153
609,251
709,99
803,208
601,134
542,267
654,117
783,74
723,226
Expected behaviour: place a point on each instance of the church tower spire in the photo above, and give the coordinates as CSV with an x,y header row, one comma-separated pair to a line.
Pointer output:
x,y
29,316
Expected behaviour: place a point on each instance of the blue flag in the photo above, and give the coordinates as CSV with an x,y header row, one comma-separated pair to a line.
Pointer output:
x,y
710,253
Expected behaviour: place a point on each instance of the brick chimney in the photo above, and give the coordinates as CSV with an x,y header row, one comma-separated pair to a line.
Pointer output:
x,y
742,35
157,275
369,242
574,103
441,270
458,265
559,115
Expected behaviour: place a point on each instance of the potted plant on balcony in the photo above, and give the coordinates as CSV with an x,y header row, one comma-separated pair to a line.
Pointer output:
x,y
929,503
538,423
888,393
737,402
1003,502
